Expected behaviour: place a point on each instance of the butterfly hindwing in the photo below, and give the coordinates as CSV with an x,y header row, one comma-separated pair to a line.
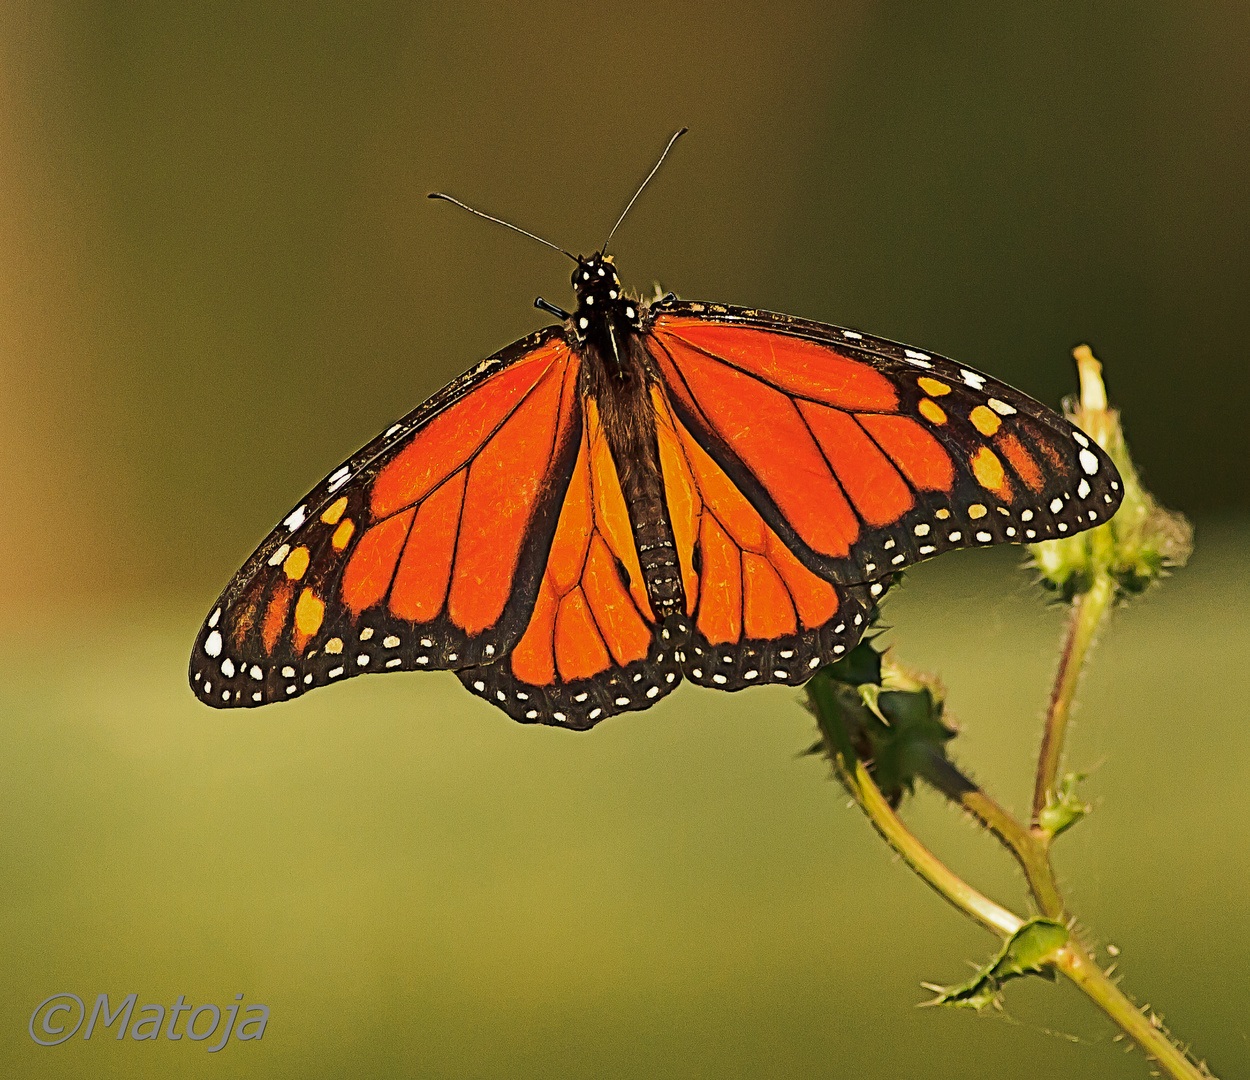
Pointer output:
x,y
757,614
592,647
865,456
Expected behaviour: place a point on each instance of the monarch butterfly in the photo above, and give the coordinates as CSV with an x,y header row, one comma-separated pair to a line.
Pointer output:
x,y
644,492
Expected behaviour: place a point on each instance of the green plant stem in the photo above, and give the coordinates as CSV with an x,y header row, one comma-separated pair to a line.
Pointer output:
x,y
1030,851
1072,959
1029,845
1078,966
1028,848
1034,859
927,865
1088,610
876,806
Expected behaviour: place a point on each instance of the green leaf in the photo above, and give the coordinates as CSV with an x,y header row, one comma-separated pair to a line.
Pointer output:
x,y
861,665
871,709
1030,950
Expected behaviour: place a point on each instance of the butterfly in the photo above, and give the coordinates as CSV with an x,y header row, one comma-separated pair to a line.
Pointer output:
x,y
645,492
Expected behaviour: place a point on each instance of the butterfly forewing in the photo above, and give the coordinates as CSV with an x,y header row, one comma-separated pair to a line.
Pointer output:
x,y
424,551
865,456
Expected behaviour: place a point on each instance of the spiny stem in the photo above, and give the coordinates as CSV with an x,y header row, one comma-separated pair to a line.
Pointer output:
x,y
1078,966
1029,850
863,787
1029,845
927,865
1088,610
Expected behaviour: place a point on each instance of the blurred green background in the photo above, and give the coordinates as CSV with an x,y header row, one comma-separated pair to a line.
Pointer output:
x,y
219,276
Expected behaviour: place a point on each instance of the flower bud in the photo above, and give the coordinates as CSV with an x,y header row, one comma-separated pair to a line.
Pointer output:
x,y
1142,540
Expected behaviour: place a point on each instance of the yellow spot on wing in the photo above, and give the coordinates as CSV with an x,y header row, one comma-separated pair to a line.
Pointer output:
x,y
334,646
309,611
932,386
334,511
942,514
976,510
343,534
985,420
296,563
989,472
931,411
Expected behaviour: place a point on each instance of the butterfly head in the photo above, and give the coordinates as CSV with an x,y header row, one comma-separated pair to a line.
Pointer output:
x,y
596,280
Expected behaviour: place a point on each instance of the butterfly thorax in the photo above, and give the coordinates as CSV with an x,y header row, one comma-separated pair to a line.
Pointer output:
x,y
616,371
605,316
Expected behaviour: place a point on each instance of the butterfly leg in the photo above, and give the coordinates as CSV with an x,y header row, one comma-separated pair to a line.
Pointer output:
x,y
551,309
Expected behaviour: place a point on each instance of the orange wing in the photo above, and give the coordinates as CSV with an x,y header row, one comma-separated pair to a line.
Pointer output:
x,y
759,614
864,456
426,550
592,647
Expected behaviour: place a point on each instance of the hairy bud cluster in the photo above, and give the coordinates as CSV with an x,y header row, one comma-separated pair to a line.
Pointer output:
x,y
1138,545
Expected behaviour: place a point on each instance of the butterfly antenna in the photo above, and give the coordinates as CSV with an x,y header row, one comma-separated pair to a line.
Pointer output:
x,y
678,135
506,224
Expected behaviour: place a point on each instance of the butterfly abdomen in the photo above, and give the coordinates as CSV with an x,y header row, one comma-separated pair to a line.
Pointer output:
x,y
653,538
622,393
